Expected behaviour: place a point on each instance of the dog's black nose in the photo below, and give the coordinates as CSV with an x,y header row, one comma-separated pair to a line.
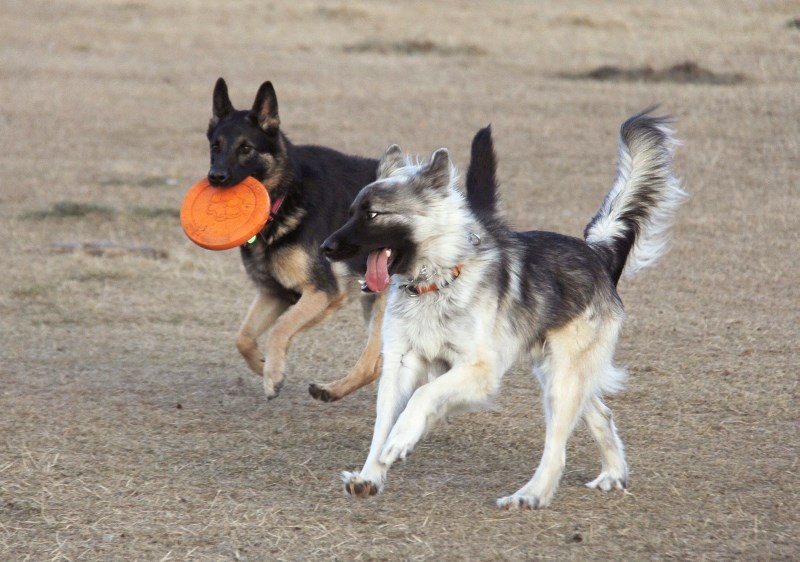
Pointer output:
x,y
329,247
217,177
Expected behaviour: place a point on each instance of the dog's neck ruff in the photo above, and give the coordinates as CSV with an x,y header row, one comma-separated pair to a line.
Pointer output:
x,y
417,290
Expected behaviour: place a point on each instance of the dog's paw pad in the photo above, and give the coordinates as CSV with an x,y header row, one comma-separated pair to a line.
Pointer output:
x,y
358,487
607,482
519,502
321,393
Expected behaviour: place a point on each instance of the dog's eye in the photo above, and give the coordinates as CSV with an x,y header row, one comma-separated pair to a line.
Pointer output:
x,y
244,150
372,214
215,148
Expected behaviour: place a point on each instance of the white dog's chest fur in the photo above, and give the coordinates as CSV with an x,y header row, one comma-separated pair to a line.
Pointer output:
x,y
436,326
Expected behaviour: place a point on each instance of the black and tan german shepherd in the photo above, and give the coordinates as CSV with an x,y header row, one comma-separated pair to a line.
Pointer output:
x,y
311,189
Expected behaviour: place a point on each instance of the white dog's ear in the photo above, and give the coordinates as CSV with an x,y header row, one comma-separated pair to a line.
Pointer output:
x,y
437,173
391,161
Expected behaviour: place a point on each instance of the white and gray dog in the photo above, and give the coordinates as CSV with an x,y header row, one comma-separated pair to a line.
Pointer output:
x,y
469,297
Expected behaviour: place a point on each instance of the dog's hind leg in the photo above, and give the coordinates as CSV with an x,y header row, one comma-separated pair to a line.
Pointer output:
x,y
368,366
262,313
577,367
570,375
565,398
614,472
312,307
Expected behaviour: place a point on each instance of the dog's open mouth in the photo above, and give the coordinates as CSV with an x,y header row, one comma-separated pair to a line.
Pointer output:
x,y
378,277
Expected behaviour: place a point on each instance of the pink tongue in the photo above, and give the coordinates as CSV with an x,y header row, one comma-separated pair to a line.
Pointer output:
x,y
378,270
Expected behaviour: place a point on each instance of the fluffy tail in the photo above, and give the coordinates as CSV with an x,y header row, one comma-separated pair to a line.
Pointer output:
x,y
482,177
631,229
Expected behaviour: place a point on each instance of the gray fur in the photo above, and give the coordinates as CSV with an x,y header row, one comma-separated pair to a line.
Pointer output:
x,y
542,298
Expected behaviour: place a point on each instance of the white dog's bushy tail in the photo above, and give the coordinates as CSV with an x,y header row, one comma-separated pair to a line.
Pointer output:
x,y
631,229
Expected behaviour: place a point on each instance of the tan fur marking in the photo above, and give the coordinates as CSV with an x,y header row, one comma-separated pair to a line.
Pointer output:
x,y
275,173
313,307
367,369
262,313
276,168
334,304
291,267
287,225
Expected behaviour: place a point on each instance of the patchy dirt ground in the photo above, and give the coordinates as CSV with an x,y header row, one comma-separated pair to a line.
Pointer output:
x,y
131,429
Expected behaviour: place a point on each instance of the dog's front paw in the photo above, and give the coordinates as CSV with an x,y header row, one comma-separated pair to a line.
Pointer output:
x,y
321,393
272,387
274,376
359,487
403,438
520,501
607,481
396,449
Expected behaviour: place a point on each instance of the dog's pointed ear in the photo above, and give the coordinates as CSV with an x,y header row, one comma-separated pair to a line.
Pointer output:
x,y
437,173
221,105
265,108
391,161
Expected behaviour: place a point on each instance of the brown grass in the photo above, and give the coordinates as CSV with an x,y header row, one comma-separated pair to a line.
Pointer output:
x,y
412,47
687,72
70,209
131,429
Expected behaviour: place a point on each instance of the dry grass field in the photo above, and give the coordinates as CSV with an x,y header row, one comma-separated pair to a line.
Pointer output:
x,y
130,429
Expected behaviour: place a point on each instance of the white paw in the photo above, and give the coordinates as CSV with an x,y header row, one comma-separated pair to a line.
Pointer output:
x,y
520,501
395,450
606,481
402,440
359,487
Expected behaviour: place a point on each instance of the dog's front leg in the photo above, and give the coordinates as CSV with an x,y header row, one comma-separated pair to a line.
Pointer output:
x,y
402,373
260,316
312,307
463,387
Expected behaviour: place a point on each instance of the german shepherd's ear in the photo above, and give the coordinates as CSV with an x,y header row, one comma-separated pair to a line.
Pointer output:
x,y
391,161
222,105
437,173
265,108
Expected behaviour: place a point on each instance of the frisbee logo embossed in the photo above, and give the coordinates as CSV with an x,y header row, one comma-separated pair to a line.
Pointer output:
x,y
223,218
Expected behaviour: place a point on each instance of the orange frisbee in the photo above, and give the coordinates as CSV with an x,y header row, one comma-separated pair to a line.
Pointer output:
x,y
220,218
